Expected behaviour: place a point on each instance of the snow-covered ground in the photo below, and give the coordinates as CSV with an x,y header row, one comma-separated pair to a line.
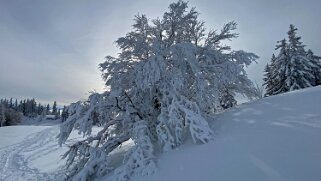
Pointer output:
x,y
29,153
39,121
275,138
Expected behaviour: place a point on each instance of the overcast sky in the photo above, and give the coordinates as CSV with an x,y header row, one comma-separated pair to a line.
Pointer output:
x,y
50,50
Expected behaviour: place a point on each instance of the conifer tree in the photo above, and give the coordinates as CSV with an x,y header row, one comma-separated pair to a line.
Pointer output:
x,y
48,109
299,75
64,114
293,68
24,111
227,99
16,105
269,77
11,103
316,69
2,115
54,108
39,109
280,68
20,107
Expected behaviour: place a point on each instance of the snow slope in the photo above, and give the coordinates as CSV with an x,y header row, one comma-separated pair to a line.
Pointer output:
x,y
28,144
31,153
275,138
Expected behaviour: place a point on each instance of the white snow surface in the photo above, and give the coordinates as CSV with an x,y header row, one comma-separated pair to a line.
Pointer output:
x,y
29,153
39,121
275,138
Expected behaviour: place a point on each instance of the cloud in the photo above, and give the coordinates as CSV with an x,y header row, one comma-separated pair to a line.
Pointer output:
x,y
50,50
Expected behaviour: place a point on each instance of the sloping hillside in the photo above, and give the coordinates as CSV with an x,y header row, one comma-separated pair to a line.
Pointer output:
x,y
275,138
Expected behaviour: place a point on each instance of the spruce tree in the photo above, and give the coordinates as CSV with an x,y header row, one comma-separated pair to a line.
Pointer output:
x,y
16,105
227,99
11,103
64,114
48,109
269,77
316,69
299,74
20,106
39,109
2,115
24,111
280,68
54,108
33,105
293,68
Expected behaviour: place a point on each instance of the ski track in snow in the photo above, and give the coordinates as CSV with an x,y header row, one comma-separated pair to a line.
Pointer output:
x,y
15,160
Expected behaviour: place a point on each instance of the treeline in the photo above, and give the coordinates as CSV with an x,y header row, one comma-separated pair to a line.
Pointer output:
x,y
30,108
11,111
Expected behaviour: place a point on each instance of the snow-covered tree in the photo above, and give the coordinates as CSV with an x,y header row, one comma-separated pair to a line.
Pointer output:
x,y
316,69
259,90
280,68
161,89
270,77
227,99
11,103
2,115
39,109
16,105
293,68
267,79
299,75
54,108
64,114
12,117
8,116
48,109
